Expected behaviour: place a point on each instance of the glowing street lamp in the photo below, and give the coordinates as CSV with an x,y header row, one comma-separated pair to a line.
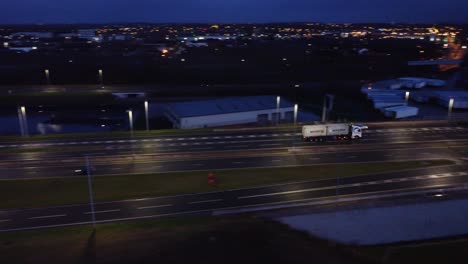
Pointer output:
x,y
47,75
407,97
130,120
450,107
278,100
101,77
23,121
146,116
296,107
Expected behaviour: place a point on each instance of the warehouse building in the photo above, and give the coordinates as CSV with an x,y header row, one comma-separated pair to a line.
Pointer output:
x,y
228,111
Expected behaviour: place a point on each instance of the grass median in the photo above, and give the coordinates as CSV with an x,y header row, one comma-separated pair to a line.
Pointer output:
x,y
105,135
48,192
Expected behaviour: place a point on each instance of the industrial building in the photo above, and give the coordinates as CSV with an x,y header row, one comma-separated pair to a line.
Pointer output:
x,y
229,111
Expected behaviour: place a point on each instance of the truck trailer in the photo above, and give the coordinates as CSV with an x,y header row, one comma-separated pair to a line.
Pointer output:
x,y
323,132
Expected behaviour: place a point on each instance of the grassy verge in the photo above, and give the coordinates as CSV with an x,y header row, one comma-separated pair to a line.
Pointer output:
x,y
47,192
200,240
107,135
444,251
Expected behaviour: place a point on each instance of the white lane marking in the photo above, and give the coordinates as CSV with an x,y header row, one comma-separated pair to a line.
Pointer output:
x,y
237,162
198,164
206,201
345,186
116,168
313,158
203,148
272,144
101,212
238,146
4,220
48,216
276,160
154,206
216,209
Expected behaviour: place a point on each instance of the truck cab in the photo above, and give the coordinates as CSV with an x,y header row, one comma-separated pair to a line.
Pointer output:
x,y
356,131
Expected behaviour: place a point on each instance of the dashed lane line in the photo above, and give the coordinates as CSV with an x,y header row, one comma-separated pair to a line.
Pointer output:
x,y
206,201
154,206
101,212
48,216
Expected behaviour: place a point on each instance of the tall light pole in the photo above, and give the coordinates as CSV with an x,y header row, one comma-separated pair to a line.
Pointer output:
x,y
130,120
406,97
21,121
450,107
101,77
278,118
296,107
25,120
90,190
47,75
146,116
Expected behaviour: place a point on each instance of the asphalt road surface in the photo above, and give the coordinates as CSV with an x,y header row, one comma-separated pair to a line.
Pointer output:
x,y
234,149
207,203
228,150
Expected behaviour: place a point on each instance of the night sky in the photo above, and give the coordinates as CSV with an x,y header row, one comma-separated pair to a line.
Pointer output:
x,y
102,11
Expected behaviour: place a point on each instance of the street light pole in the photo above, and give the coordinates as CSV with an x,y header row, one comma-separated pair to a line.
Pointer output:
x,y
407,97
21,122
450,107
295,114
47,75
90,190
278,118
146,116
25,121
101,77
130,119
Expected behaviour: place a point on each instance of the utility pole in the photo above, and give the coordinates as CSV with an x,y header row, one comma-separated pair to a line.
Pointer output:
x,y
90,190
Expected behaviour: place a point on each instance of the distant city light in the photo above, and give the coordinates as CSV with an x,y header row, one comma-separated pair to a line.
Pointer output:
x,y
445,45
34,48
285,59
243,60
182,60
5,44
164,51
463,47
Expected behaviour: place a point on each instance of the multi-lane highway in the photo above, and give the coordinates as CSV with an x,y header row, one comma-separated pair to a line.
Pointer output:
x,y
207,203
234,149
228,149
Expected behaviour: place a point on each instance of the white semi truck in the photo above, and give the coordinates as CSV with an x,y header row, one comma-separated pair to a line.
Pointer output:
x,y
339,131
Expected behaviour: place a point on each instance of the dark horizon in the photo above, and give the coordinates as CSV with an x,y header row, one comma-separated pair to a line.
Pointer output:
x,y
240,11
228,23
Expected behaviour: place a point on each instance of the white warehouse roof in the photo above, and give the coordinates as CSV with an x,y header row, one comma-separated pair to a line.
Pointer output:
x,y
225,106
